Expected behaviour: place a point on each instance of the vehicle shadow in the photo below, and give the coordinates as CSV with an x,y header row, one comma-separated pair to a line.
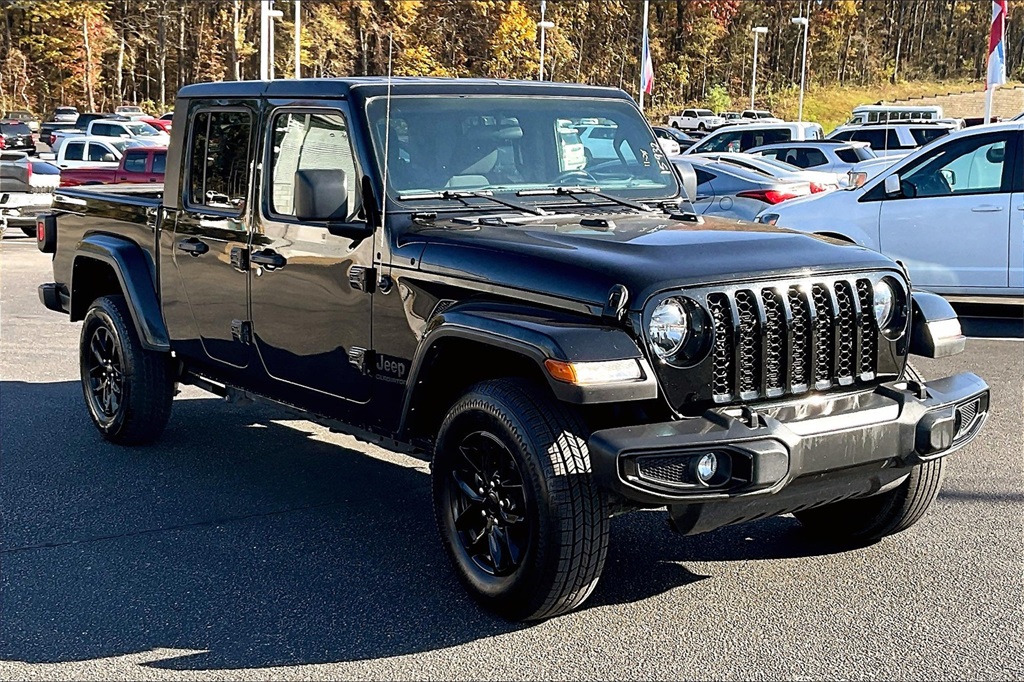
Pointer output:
x,y
254,544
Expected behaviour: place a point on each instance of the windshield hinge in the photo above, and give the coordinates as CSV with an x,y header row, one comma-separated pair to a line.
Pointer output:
x,y
615,304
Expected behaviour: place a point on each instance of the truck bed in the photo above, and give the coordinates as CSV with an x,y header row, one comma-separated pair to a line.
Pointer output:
x,y
129,211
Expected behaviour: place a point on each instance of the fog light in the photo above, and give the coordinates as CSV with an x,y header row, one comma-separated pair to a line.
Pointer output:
x,y
707,467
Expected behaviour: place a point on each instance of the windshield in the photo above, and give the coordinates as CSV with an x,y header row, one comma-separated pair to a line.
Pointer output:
x,y
514,144
141,129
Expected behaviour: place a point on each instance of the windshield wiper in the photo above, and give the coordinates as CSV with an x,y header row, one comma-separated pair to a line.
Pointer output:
x,y
462,195
573,190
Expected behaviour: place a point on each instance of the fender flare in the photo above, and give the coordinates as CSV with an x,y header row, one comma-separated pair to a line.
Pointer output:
x,y
538,336
935,328
135,273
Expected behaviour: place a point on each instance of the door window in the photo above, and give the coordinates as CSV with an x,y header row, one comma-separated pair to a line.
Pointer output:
x,y
99,152
219,164
159,162
75,151
310,141
970,165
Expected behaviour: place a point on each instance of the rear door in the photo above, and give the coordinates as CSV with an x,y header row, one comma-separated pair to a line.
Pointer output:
x,y
951,227
211,229
311,288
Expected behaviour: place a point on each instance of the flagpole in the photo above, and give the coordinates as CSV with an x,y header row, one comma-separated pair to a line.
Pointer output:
x,y
996,72
643,44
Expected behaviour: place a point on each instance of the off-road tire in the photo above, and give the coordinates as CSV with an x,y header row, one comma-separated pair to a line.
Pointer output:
x,y
872,518
146,378
566,513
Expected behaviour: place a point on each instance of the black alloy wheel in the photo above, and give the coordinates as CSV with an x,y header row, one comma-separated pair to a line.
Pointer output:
x,y
488,504
105,372
127,387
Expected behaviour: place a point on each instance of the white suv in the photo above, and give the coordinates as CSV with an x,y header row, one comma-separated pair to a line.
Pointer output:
x,y
952,212
740,138
888,139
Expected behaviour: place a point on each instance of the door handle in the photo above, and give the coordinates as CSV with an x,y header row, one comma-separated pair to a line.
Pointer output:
x,y
193,247
268,258
986,208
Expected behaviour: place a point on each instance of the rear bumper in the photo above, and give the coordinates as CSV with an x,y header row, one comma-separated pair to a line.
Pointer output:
x,y
808,445
54,297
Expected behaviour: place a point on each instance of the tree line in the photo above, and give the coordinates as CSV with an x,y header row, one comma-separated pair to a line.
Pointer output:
x,y
101,53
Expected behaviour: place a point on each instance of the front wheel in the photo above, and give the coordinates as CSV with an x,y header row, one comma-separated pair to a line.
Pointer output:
x,y
872,518
520,517
128,389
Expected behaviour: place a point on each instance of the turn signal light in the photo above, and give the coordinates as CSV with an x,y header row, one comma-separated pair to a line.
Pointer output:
x,y
583,373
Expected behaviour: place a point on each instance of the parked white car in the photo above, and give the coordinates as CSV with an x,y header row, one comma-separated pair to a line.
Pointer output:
x,y
106,127
697,119
760,116
952,212
95,152
740,138
830,156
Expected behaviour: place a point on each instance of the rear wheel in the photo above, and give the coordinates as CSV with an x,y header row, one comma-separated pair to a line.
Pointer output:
x,y
128,389
520,518
702,127
871,518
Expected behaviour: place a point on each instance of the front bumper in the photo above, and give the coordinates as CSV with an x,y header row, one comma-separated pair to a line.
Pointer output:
x,y
825,447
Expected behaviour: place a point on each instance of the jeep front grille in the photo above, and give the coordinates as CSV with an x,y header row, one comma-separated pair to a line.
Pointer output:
x,y
791,337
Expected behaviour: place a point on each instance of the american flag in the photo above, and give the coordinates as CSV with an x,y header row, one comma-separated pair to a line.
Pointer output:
x,y
647,67
996,51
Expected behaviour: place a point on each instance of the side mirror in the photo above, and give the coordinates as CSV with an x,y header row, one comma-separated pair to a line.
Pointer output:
x,y
892,186
321,195
108,158
688,179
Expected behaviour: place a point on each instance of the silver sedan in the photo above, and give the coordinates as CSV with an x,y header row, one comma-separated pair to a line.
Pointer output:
x,y
729,190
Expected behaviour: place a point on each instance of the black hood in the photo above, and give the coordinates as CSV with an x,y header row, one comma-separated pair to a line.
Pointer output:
x,y
559,256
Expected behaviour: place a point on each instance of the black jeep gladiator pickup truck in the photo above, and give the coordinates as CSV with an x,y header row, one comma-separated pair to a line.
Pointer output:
x,y
442,266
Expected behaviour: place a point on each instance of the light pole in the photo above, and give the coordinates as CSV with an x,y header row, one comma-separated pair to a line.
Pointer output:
x,y
267,16
543,26
758,32
802,21
298,38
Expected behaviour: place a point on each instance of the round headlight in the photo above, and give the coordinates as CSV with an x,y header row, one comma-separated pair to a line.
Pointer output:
x,y
669,327
885,304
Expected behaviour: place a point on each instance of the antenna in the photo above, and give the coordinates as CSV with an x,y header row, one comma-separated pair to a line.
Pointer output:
x,y
387,146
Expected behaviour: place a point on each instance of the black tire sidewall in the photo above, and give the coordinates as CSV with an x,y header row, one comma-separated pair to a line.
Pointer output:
x,y
104,313
513,595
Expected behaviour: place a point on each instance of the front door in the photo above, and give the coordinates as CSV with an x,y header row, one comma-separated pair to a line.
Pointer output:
x,y
951,225
211,235
310,312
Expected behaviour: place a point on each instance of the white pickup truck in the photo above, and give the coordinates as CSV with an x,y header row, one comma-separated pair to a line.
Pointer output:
x,y
26,189
106,127
86,151
697,119
952,212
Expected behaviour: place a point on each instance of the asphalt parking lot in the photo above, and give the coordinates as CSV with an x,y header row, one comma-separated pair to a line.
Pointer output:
x,y
251,545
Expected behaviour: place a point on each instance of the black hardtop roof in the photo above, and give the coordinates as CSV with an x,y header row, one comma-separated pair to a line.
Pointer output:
x,y
369,86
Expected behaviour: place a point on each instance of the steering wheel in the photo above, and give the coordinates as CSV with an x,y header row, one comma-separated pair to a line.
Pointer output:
x,y
565,176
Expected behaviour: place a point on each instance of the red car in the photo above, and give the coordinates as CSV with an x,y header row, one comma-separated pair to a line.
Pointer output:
x,y
163,124
139,164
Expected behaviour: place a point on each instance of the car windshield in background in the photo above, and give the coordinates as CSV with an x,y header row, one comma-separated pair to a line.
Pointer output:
x,y
442,144
141,129
12,128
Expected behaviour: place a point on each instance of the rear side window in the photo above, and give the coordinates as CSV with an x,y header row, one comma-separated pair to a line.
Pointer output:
x,y
74,151
160,162
878,138
703,177
925,135
106,129
219,165
135,162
